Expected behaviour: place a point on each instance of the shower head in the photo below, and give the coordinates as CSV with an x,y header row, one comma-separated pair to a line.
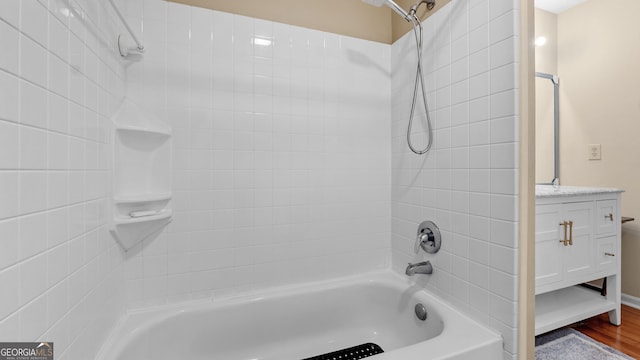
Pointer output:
x,y
390,3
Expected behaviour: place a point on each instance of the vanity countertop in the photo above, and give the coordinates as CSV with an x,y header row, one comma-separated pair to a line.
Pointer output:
x,y
546,191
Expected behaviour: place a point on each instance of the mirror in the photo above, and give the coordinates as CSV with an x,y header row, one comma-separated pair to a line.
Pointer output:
x,y
547,129
547,97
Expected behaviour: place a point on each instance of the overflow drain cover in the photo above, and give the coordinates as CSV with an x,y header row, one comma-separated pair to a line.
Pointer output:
x,y
356,352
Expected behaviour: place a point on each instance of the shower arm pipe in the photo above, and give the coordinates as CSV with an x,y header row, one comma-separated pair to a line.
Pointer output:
x,y
139,45
400,11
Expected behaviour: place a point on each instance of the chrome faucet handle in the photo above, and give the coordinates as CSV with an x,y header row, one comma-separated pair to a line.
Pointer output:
x,y
420,240
428,238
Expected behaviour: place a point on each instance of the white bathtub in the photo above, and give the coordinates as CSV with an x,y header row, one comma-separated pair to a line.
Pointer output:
x,y
294,323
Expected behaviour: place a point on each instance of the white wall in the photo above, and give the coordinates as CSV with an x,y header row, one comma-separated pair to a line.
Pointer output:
x,y
282,153
467,183
61,275
599,105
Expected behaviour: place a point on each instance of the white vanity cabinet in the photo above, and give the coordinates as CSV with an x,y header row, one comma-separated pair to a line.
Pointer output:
x,y
577,241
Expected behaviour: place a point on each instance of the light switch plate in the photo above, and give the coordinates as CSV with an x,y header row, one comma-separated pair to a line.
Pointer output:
x,y
595,151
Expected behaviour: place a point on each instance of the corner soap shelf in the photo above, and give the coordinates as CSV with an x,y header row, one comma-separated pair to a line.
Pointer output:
x,y
141,203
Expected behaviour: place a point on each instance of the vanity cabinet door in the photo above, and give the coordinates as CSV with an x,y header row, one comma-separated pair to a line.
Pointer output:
x,y
560,257
549,250
579,253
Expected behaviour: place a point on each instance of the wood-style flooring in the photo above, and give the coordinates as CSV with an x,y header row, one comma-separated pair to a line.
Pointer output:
x,y
625,337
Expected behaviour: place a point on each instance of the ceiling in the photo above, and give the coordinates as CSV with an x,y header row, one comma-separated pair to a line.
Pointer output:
x,y
557,6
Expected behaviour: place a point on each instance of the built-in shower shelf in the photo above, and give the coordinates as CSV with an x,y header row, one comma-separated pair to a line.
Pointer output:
x,y
142,198
142,130
142,174
161,215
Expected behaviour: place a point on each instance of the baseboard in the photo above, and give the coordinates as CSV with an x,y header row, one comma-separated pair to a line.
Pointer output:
x,y
632,301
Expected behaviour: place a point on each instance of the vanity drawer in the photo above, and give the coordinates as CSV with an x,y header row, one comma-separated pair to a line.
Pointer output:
x,y
607,218
606,254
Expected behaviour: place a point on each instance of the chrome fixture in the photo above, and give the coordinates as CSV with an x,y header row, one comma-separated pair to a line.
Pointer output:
x,y
424,268
124,48
428,238
419,82
421,312
430,5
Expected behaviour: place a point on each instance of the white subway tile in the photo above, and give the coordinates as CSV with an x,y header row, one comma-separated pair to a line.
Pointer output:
x,y
10,327
460,69
33,191
33,235
479,62
479,86
479,109
57,266
34,21
9,302
58,114
504,104
479,133
58,37
505,312
478,14
504,182
504,156
57,151
503,52
504,130
504,207
10,12
9,97
479,179
57,305
479,38
33,61
9,41
504,233
33,319
33,105
478,273
504,259
9,194
9,141
479,204
502,27
499,7
154,289
33,278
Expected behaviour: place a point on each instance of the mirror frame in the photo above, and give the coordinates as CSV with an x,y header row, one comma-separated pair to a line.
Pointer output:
x,y
555,80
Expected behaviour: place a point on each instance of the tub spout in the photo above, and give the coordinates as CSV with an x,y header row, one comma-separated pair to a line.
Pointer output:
x,y
419,268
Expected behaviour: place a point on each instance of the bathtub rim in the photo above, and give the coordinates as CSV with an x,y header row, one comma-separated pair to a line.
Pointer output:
x,y
137,320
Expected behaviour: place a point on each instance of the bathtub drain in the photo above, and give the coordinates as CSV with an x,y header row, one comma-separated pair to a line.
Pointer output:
x,y
352,353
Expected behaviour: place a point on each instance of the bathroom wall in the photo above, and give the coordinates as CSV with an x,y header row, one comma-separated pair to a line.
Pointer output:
x,y
282,153
546,25
599,105
351,18
467,183
61,275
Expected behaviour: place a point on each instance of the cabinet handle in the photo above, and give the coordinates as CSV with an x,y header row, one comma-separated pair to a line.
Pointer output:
x,y
609,254
571,233
610,216
564,239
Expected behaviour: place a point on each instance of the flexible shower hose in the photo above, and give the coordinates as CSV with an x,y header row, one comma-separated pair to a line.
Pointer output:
x,y
417,31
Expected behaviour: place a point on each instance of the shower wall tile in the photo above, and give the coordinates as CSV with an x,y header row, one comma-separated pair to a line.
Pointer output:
x,y
60,79
469,180
281,153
